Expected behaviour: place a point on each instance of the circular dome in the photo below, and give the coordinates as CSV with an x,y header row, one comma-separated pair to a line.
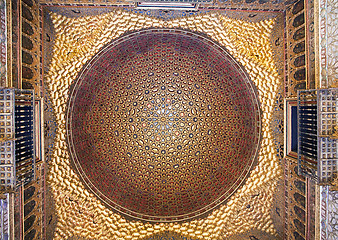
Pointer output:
x,y
163,125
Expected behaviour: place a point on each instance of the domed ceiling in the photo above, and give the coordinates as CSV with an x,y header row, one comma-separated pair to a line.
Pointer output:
x,y
163,125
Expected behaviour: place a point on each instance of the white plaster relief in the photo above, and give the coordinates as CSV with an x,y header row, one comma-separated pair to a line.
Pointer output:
x,y
332,227
328,42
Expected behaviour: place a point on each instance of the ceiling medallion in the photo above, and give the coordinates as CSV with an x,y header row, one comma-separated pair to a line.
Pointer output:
x,y
163,125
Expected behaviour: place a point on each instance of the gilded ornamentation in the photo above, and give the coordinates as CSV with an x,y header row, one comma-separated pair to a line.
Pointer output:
x,y
334,83
221,222
334,184
163,125
334,134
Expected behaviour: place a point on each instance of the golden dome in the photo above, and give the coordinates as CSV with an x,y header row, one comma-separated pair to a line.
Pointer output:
x,y
163,125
